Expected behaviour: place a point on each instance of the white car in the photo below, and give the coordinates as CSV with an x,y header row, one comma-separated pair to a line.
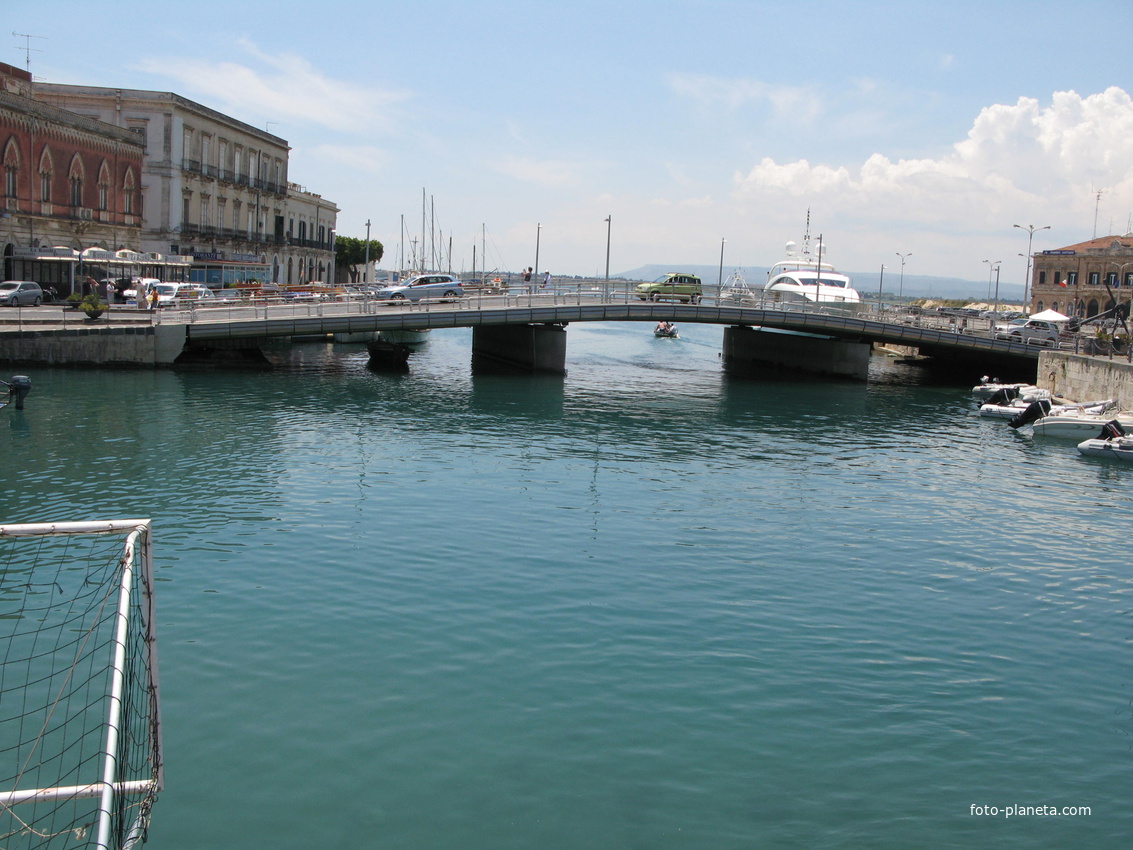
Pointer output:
x,y
422,286
181,294
1033,329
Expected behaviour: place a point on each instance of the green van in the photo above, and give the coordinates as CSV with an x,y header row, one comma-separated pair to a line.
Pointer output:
x,y
675,286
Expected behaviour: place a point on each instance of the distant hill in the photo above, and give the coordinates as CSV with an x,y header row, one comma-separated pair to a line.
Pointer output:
x,y
915,286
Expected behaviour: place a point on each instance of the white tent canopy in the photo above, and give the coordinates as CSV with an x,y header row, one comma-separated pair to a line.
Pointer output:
x,y
1050,316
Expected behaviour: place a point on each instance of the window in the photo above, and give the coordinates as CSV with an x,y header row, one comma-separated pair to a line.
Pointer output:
x,y
1094,278
11,169
1072,278
128,192
1042,278
104,187
186,200
46,175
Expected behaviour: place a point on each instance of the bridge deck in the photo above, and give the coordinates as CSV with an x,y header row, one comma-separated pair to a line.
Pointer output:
x,y
328,317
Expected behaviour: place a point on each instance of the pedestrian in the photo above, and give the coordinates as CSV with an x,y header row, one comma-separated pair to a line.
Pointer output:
x,y
546,280
527,279
89,286
153,298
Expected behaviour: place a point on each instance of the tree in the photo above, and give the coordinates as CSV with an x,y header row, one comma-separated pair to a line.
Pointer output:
x,y
350,255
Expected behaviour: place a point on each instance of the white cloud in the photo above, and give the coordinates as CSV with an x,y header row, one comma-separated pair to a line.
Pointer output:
x,y
1018,161
357,158
541,173
284,87
800,103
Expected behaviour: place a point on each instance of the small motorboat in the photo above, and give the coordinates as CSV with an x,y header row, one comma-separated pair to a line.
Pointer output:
x,y
990,386
1113,441
1009,402
1033,412
1074,422
666,330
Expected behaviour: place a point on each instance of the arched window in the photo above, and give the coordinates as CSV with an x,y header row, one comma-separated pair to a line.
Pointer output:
x,y
103,186
76,176
46,175
11,169
1092,307
1039,305
128,189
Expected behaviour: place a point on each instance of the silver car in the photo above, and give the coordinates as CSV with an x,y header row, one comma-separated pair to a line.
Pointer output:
x,y
444,286
20,293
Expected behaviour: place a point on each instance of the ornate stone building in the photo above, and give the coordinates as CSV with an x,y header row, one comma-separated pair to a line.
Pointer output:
x,y
216,189
71,184
1073,280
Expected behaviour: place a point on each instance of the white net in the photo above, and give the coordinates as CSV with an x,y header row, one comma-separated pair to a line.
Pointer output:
x,y
80,743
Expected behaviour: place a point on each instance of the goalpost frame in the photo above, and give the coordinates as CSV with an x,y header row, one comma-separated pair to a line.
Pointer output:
x,y
139,531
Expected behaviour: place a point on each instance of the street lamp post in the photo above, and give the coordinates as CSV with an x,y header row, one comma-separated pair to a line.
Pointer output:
x,y
609,224
901,285
366,269
991,264
880,283
1030,228
538,230
720,277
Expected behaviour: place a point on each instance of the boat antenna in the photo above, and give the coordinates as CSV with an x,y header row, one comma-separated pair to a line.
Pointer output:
x,y
806,235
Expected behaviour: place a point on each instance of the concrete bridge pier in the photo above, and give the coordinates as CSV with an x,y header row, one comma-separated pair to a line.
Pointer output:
x,y
520,348
750,350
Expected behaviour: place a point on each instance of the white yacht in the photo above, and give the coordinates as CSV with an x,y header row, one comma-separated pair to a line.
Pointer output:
x,y
806,278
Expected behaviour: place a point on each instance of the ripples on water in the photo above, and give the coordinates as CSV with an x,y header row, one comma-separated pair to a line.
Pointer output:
x,y
642,606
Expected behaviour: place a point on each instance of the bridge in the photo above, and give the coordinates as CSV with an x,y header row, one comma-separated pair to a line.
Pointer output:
x,y
834,341
527,331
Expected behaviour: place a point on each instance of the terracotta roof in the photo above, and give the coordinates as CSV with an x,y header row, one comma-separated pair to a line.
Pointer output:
x,y
1101,243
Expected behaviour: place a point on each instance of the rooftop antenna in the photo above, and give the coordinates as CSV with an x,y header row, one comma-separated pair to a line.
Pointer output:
x,y
27,48
268,125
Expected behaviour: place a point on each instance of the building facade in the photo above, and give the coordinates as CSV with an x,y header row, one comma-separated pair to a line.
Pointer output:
x,y
1073,280
215,189
71,184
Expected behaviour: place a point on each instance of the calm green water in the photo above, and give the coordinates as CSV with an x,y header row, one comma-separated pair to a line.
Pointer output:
x,y
644,606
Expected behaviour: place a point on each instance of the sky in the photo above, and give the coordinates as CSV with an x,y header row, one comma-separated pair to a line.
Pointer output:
x,y
672,133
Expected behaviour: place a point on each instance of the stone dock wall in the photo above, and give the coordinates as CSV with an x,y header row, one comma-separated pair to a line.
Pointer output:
x,y
127,345
1081,377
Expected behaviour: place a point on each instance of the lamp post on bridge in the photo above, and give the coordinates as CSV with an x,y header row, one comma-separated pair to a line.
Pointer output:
x,y
901,285
880,283
720,277
991,264
538,231
609,224
366,268
1030,228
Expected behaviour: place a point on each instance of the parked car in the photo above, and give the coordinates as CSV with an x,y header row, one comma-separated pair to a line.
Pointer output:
x,y
20,293
422,286
675,285
181,294
1035,329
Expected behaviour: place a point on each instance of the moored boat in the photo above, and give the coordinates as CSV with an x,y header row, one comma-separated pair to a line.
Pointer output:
x,y
805,279
1112,442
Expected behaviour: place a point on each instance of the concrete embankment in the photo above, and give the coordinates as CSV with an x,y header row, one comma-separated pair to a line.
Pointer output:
x,y
1083,377
136,344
